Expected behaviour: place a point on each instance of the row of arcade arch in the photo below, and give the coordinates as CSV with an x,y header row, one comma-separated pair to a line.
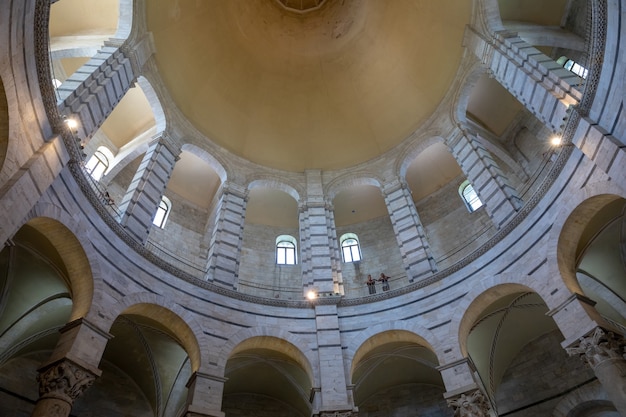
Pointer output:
x,y
46,287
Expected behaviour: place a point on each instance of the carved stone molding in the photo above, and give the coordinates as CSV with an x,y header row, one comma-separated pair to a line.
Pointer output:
x,y
470,404
64,380
598,347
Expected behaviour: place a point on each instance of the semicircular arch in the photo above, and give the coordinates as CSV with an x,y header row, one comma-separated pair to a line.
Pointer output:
x,y
179,322
567,230
273,339
350,180
69,236
276,183
372,337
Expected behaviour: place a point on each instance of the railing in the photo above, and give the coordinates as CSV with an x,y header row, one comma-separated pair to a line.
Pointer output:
x,y
180,262
103,195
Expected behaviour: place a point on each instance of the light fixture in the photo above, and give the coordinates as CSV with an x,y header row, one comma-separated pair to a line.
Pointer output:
x,y
71,123
311,295
556,141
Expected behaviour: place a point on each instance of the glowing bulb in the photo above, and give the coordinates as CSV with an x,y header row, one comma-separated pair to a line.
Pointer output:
x,y
311,295
71,123
556,141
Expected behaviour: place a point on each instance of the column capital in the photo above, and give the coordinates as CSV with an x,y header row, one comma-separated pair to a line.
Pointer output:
x,y
64,380
598,347
470,404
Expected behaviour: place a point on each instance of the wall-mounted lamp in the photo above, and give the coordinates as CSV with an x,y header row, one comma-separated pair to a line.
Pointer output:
x,y
311,295
556,140
72,124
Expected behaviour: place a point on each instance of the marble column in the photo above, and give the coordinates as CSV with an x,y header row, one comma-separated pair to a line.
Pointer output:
x,y
417,257
604,352
142,199
60,384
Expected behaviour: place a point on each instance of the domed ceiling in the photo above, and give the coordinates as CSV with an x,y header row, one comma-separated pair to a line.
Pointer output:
x,y
329,86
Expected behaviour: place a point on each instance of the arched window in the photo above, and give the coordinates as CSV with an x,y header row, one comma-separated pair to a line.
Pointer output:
x,y
165,206
350,249
573,66
469,196
286,250
99,162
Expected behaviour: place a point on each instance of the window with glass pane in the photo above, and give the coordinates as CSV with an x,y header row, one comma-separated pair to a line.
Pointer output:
x,y
351,251
161,215
285,253
471,198
97,165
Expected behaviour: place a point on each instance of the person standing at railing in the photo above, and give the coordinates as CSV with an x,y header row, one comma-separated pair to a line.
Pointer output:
x,y
385,280
371,284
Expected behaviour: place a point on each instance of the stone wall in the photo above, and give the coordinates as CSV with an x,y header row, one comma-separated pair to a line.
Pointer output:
x,y
255,405
407,401
452,231
379,253
258,272
539,376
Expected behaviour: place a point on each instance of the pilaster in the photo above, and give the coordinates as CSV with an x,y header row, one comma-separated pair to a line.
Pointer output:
x,y
334,398
227,235
142,199
416,254
318,255
500,199
545,88
205,395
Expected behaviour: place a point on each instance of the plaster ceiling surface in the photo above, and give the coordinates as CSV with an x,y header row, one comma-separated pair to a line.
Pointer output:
x,y
329,88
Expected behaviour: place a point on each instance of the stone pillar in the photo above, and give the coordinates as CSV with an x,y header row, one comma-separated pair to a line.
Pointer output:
x,y
93,91
544,87
142,199
316,243
416,254
604,352
464,394
204,397
227,235
60,384
492,186
334,399
72,368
